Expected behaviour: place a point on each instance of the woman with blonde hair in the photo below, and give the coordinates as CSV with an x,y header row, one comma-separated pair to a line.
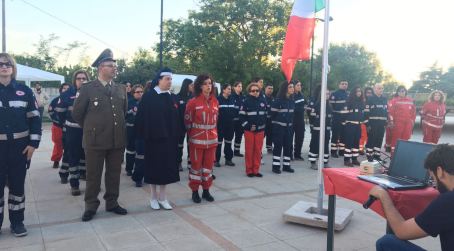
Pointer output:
x,y
433,116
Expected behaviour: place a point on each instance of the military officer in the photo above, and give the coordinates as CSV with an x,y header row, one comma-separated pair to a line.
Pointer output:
x,y
100,109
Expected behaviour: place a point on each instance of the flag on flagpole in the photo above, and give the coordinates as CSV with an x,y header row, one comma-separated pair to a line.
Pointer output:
x,y
300,30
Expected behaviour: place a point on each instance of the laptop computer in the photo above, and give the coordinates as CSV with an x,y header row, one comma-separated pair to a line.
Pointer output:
x,y
406,170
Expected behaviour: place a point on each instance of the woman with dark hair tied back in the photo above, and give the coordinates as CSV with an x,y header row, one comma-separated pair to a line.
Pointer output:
x,y
298,120
185,94
282,121
314,108
201,119
402,115
134,150
352,120
227,113
433,116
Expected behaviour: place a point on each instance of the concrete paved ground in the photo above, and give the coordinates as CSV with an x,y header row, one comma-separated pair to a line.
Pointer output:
x,y
247,214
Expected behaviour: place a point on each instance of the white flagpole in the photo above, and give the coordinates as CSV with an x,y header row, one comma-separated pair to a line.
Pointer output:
x,y
321,148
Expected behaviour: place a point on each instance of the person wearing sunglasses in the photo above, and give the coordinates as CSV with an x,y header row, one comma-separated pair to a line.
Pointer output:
x,y
20,134
402,115
73,135
282,111
133,103
253,119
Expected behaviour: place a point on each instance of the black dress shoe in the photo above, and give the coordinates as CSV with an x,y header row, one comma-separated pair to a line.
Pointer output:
x,y
88,215
229,163
250,175
237,154
288,170
118,210
275,170
259,175
207,196
196,197
299,158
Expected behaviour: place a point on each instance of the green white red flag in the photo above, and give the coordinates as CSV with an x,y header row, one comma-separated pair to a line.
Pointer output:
x,y
300,31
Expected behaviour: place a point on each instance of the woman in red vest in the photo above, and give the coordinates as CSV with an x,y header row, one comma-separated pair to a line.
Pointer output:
x,y
200,119
402,115
433,117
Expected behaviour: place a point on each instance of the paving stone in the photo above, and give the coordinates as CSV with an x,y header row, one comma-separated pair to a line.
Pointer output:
x,y
131,239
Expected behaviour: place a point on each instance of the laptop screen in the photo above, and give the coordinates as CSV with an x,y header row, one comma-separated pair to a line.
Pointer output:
x,y
408,160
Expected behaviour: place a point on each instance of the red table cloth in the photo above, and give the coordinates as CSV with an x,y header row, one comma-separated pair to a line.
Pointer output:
x,y
345,183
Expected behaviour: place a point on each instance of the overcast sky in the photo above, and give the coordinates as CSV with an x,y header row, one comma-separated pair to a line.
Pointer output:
x,y
407,35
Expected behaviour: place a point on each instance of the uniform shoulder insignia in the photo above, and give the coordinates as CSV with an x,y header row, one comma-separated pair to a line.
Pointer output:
x,y
20,93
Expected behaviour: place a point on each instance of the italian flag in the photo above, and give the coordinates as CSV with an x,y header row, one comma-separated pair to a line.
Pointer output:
x,y
300,30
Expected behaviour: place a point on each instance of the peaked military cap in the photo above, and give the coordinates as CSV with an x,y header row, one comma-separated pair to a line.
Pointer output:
x,y
106,55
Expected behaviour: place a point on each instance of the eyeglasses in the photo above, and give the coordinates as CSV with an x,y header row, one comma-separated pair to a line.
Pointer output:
x,y
110,65
7,65
138,92
81,79
255,90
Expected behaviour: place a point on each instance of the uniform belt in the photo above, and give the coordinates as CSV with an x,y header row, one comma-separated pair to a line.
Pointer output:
x,y
17,135
205,127
353,122
378,118
281,124
70,124
203,142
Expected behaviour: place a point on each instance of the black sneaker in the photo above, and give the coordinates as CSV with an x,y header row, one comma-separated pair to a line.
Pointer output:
x,y
196,197
259,175
19,230
64,180
207,196
250,175
75,191
56,165
276,170
217,164
288,170
229,163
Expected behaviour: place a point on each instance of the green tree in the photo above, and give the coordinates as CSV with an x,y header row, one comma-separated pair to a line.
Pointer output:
x,y
428,80
351,62
141,69
232,40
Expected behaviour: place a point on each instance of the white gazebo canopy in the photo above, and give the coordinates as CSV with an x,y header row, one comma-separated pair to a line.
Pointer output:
x,y
28,74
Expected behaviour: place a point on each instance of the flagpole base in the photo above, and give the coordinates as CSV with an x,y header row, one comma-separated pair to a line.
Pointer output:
x,y
306,213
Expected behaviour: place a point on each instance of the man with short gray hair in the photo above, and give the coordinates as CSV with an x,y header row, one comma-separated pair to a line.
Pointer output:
x,y
376,113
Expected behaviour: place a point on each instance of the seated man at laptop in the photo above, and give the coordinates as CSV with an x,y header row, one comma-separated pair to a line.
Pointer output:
x,y
436,219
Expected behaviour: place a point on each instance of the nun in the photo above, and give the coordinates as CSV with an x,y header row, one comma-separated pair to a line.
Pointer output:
x,y
157,124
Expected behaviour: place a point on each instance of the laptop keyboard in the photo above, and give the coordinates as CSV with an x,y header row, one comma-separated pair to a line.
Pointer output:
x,y
400,181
